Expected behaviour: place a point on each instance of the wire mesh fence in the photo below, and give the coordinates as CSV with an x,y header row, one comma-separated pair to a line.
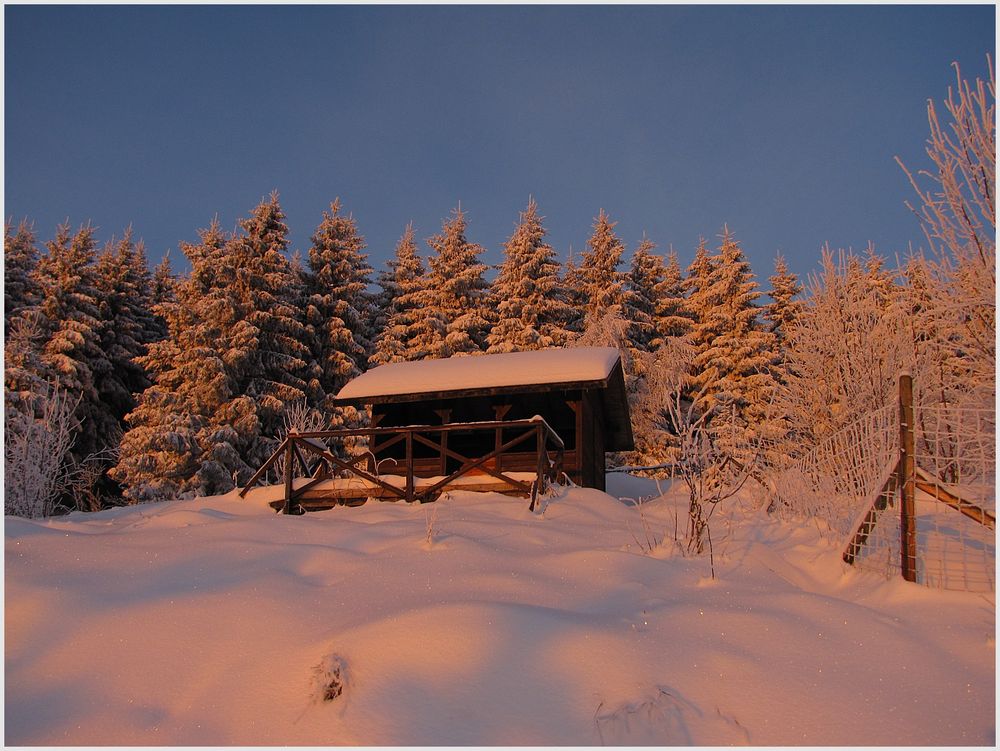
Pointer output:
x,y
857,484
842,475
955,499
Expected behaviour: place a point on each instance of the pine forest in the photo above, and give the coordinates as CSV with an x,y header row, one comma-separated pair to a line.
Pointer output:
x,y
135,384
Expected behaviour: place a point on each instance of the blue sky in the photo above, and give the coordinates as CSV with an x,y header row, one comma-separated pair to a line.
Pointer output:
x,y
780,121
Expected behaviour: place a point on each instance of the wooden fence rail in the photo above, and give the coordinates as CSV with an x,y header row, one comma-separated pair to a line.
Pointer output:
x,y
549,451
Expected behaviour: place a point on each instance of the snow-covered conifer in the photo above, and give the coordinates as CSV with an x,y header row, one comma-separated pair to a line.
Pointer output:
x,y
785,307
604,285
72,350
740,353
530,301
165,447
338,309
406,297
878,277
576,296
644,283
458,318
673,319
234,361
701,301
268,356
128,324
163,285
20,289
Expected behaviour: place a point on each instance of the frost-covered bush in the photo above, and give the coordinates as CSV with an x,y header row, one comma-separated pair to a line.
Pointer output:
x,y
39,431
845,352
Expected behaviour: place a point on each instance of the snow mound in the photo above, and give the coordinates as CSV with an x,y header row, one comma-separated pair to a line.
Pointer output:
x,y
216,622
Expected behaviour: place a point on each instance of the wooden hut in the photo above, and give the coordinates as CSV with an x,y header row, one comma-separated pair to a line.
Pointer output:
x,y
579,392
509,423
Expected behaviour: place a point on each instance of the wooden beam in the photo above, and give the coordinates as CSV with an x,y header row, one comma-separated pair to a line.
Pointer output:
x,y
469,464
929,485
445,415
263,468
864,530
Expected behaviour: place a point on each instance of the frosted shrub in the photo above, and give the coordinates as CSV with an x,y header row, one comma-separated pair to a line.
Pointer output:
x,y
844,353
710,471
956,206
36,447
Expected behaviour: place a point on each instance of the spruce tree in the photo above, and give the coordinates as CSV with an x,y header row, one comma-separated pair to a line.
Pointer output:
x,y
405,299
174,431
741,354
530,302
673,319
163,285
576,296
128,324
268,355
234,362
701,301
604,286
162,290
20,289
338,309
458,318
645,284
784,309
72,352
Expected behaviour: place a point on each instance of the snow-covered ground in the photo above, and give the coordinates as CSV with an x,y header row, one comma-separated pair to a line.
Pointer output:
x,y
215,621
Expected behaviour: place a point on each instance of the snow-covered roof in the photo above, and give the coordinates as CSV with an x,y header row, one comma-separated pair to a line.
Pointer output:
x,y
541,367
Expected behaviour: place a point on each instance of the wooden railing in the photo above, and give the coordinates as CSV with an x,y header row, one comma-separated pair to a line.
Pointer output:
x,y
549,451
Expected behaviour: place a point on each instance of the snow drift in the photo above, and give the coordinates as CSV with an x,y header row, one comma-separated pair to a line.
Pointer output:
x,y
472,621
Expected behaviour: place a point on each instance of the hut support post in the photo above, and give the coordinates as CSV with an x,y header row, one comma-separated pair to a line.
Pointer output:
x,y
445,415
372,465
409,465
907,484
500,411
289,459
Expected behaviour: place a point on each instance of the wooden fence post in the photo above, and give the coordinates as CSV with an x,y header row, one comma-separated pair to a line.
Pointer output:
x,y
907,480
538,487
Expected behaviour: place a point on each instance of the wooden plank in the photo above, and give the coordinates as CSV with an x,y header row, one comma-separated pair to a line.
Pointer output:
x,y
298,457
364,491
371,485
342,492
970,510
864,529
263,468
336,462
470,464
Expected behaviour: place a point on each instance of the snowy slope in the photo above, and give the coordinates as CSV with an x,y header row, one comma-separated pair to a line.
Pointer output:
x,y
214,621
